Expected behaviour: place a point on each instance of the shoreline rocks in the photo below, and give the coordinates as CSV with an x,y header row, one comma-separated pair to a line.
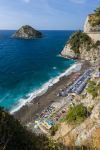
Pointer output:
x,y
67,52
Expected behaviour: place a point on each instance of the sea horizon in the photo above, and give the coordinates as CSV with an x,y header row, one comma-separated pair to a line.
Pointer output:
x,y
43,29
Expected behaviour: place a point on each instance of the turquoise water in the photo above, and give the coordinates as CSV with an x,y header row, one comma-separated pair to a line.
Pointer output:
x,y
26,65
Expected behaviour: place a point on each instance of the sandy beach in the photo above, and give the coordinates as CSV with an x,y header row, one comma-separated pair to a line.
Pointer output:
x,y
29,111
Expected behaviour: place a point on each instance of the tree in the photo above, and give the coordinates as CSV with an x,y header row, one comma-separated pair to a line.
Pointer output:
x,y
76,114
97,11
13,136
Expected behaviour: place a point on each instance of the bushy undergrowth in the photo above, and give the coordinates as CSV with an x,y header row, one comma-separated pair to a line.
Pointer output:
x,y
78,39
76,114
96,45
94,19
13,136
53,130
93,89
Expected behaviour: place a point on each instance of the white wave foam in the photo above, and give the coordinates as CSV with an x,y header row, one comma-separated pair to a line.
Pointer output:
x,y
54,68
44,88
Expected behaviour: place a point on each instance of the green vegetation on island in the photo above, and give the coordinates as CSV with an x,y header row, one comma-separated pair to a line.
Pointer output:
x,y
27,32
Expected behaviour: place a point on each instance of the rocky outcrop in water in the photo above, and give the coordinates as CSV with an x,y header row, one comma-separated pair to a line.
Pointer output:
x,y
27,32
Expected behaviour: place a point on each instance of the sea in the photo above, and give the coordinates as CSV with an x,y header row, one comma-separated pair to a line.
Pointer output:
x,y
29,67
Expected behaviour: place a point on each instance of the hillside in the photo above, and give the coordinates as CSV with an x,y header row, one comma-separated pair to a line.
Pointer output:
x,y
81,126
13,136
82,45
92,23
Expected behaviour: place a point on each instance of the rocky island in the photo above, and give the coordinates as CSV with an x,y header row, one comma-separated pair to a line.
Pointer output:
x,y
27,32
86,44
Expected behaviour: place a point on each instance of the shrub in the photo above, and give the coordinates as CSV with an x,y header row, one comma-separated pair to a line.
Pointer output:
x,y
98,88
78,39
94,19
76,114
91,89
13,136
53,130
96,45
90,108
97,11
92,83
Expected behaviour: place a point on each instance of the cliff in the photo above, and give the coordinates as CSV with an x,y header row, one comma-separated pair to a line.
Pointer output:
x,y
27,32
81,46
92,30
85,45
87,131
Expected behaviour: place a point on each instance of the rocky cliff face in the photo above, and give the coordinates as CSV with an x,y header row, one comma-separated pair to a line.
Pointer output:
x,y
88,28
88,131
85,45
27,32
81,46
68,52
92,31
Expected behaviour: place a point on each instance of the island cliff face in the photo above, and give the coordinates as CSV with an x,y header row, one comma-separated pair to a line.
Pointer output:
x,y
85,45
27,32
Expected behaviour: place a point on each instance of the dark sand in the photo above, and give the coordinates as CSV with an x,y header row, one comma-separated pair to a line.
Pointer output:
x,y
28,112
